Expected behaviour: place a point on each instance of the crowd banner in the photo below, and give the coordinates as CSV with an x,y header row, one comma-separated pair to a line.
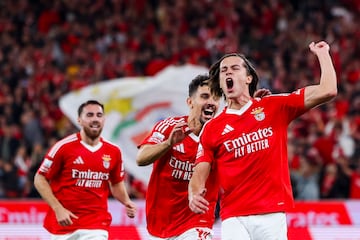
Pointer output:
x,y
133,105
318,220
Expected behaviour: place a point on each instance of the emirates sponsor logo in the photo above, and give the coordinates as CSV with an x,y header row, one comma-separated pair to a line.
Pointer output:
x,y
90,175
181,169
249,142
90,179
312,219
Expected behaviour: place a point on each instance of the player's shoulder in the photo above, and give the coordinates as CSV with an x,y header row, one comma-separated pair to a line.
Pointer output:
x,y
213,123
273,96
110,144
65,142
219,117
169,122
68,140
174,119
277,100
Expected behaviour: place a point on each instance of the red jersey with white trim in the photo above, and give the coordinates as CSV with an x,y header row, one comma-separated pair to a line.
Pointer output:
x,y
79,177
167,210
249,147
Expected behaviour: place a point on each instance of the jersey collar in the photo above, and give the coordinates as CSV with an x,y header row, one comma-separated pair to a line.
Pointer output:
x,y
92,148
241,110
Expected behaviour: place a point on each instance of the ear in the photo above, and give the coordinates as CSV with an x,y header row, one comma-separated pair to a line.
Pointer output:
x,y
249,79
189,101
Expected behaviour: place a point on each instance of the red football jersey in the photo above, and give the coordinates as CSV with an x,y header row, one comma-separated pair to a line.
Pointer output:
x,y
167,210
249,148
79,176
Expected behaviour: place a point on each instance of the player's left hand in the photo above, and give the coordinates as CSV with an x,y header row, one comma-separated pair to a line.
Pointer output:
x,y
179,132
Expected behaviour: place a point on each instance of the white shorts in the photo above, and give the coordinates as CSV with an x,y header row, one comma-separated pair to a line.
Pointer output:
x,y
198,233
270,226
83,234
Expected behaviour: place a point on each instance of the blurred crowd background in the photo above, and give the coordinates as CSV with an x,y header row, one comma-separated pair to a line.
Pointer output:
x,y
48,48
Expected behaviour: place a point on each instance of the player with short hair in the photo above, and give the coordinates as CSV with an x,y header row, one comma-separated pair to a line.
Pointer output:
x,y
171,147
75,177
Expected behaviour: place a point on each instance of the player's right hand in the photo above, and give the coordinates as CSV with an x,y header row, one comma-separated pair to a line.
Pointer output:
x,y
130,209
64,216
198,203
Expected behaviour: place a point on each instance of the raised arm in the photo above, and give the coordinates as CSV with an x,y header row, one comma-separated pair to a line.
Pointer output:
x,y
149,153
327,88
197,190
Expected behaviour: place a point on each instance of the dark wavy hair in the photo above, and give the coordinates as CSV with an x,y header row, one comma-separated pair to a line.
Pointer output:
x,y
214,81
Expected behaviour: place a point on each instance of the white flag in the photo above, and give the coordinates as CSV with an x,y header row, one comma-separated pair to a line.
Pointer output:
x,y
133,105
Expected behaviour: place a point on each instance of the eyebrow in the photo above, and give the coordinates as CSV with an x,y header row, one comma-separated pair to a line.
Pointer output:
x,y
231,66
86,113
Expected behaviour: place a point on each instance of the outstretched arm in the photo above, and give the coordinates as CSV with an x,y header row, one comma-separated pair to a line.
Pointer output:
x,y
327,88
197,190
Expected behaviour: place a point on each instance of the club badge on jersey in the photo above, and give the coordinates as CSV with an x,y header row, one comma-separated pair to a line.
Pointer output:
x,y
106,161
258,113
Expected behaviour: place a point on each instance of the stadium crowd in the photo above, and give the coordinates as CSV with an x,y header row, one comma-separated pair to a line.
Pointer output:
x,y
48,48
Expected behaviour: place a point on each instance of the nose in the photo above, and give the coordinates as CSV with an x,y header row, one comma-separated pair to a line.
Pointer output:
x,y
212,101
228,71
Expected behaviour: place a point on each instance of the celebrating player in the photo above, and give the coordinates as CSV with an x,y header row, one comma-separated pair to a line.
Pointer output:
x,y
246,145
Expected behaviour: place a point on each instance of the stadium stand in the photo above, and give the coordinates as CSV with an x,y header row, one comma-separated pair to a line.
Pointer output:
x,y
49,48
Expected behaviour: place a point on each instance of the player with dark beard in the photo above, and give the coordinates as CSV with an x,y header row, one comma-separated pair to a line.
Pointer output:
x,y
75,177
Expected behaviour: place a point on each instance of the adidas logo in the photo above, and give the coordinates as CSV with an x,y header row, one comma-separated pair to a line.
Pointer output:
x,y
227,129
78,160
179,148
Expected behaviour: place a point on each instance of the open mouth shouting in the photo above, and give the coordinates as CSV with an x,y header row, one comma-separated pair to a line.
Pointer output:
x,y
208,112
229,83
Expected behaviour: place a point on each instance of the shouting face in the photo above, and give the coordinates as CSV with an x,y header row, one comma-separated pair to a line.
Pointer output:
x,y
234,77
203,105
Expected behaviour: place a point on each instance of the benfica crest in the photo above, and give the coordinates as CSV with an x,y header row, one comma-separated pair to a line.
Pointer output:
x,y
258,113
106,161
